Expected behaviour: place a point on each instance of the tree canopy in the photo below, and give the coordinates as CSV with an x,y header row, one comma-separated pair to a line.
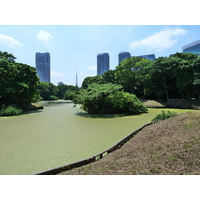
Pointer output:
x,y
108,99
18,83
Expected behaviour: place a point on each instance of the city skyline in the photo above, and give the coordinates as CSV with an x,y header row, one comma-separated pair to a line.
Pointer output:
x,y
74,48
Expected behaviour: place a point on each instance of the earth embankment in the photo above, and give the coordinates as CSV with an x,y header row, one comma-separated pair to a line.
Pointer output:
x,y
167,147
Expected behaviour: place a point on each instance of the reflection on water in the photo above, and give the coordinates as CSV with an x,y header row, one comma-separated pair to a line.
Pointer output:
x,y
55,103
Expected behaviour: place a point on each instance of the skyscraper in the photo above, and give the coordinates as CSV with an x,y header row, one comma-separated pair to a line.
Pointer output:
x,y
102,63
193,47
122,56
76,79
42,61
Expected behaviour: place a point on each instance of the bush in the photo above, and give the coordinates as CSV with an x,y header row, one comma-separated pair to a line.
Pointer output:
x,y
163,115
10,111
107,99
52,97
124,102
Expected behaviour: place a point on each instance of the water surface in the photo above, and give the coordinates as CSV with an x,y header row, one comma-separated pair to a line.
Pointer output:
x,y
59,135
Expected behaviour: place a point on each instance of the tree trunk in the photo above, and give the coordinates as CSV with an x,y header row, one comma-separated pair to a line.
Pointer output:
x,y
165,86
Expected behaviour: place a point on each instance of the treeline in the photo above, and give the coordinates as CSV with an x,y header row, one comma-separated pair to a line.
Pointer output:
x,y
176,76
48,91
20,85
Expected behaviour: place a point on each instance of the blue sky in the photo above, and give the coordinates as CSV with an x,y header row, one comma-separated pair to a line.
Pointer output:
x,y
75,47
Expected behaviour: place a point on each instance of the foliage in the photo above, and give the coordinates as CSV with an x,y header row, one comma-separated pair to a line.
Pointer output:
x,y
130,74
163,115
93,99
124,102
69,94
10,111
89,80
109,77
7,56
47,90
107,99
18,83
63,89
161,80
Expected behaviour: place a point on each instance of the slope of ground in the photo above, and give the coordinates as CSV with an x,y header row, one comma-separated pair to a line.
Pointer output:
x,y
171,146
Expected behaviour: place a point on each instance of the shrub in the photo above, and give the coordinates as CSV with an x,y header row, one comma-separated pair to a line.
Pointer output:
x,y
164,115
52,97
107,99
124,102
10,111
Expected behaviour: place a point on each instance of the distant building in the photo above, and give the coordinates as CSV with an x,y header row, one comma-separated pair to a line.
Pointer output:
x,y
193,47
123,55
60,83
102,63
42,61
149,56
76,79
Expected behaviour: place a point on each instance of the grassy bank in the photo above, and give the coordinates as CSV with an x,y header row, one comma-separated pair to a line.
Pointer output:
x,y
10,111
14,110
167,147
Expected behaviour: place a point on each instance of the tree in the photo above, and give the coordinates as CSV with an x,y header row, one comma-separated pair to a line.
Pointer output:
x,y
18,83
93,99
62,89
124,102
161,78
47,91
7,56
94,79
129,73
108,99
188,74
109,77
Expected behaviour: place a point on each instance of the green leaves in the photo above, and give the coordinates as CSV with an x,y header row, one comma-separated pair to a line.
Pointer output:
x,y
108,99
18,82
164,115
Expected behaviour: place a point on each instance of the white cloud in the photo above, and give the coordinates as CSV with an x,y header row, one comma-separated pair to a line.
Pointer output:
x,y
44,37
159,41
93,68
58,74
10,41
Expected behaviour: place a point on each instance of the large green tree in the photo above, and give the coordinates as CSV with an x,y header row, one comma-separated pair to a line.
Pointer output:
x,y
161,78
18,83
188,74
107,98
63,89
92,79
130,74
48,91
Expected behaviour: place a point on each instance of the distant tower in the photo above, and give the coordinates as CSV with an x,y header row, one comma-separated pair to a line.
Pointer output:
x,y
76,79
42,61
123,55
102,63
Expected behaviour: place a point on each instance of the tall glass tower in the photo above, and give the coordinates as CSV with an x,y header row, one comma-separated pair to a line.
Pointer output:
x,y
102,63
123,55
42,61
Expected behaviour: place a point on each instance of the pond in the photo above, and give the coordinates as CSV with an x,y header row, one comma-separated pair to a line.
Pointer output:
x,y
60,134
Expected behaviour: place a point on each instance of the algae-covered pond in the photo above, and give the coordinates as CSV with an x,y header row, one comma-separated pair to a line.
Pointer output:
x,y
59,135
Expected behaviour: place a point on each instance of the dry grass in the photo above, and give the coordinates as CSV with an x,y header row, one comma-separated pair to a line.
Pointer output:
x,y
171,146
